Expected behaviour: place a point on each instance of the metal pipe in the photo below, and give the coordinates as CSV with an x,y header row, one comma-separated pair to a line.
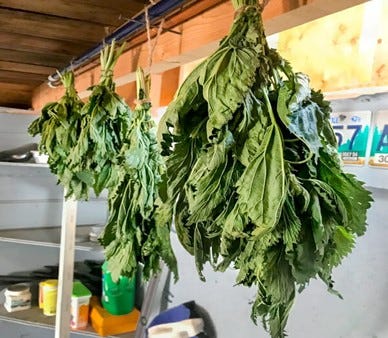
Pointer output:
x,y
155,12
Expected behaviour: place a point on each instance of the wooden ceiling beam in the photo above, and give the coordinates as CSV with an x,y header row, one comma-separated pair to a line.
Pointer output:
x,y
40,59
26,68
47,26
96,11
26,43
10,95
21,78
5,86
15,99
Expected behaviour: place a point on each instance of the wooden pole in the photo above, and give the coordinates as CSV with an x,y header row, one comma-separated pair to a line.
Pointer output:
x,y
66,268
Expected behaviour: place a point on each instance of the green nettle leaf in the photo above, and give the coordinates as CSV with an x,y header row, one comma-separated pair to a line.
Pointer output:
x,y
189,97
298,113
349,190
235,69
253,179
291,223
208,182
284,96
86,177
344,242
303,124
261,189
317,222
302,91
255,137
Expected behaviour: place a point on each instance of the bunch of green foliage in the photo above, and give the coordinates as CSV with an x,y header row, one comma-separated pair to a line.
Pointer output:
x,y
254,180
59,127
105,145
131,235
105,121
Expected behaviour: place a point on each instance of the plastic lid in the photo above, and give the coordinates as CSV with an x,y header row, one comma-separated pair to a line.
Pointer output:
x,y
80,290
53,283
18,289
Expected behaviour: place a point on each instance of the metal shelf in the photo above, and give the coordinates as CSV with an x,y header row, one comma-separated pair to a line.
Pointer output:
x,y
49,237
34,317
24,164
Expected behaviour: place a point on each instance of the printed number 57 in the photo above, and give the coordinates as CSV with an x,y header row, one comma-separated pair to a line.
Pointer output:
x,y
356,129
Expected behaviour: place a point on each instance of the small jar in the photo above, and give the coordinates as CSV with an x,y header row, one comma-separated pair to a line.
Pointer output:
x,y
17,298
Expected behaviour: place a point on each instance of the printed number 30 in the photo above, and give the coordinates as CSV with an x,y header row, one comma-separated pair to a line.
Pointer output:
x,y
382,158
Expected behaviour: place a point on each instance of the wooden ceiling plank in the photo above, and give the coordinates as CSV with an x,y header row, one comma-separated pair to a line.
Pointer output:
x,y
42,59
10,75
24,81
10,94
14,96
15,87
105,4
91,11
34,83
49,27
27,43
26,68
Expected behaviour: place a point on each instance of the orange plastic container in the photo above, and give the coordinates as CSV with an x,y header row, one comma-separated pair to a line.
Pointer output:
x,y
106,324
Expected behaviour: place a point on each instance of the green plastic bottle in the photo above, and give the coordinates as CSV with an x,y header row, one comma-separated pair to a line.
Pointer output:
x,y
117,298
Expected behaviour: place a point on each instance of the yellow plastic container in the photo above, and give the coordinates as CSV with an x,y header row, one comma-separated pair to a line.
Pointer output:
x,y
49,297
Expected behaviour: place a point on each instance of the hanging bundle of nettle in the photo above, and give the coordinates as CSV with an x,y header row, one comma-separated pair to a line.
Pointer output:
x,y
59,126
105,120
254,180
131,235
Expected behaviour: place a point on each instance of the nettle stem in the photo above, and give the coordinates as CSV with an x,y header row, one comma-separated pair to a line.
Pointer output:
x,y
237,4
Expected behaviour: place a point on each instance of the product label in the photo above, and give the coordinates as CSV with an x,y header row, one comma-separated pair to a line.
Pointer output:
x,y
50,302
79,313
15,303
352,131
379,151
